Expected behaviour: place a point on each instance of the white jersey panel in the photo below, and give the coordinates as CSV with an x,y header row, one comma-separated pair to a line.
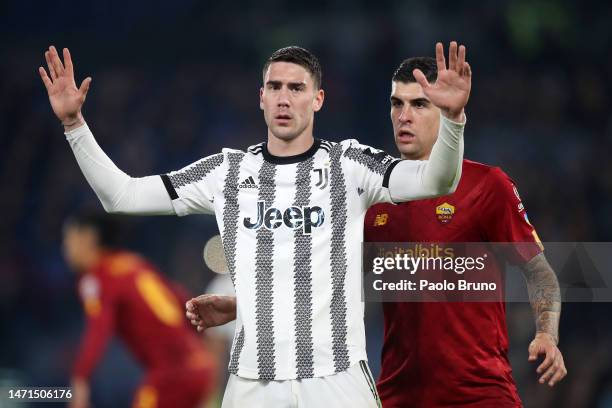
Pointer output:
x,y
292,230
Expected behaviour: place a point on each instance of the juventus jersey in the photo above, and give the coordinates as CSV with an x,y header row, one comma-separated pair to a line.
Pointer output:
x,y
292,229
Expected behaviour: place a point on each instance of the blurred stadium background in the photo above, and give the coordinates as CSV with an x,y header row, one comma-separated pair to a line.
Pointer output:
x,y
174,81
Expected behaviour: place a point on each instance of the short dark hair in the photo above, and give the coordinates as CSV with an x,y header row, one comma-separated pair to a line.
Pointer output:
x,y
106,227
300,56
426,64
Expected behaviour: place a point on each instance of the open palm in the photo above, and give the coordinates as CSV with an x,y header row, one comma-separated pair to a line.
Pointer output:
x,y
66,99
451,90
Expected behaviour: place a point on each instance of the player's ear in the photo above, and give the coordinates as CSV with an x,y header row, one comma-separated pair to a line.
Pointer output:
x,y
261,105
318,100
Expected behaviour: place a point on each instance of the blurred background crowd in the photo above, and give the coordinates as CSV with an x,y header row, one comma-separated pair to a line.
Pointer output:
x,y
176,81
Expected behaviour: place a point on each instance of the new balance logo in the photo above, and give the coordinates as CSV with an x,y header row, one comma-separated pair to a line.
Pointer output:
x,y
360,190
248,183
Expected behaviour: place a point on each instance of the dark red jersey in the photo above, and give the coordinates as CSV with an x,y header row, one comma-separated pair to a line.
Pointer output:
x,y
452,354
125,295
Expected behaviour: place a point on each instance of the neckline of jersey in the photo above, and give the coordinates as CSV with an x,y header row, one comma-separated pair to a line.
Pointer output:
x,y
269,157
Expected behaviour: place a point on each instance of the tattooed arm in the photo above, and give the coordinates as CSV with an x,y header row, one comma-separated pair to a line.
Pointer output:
x,y
545,299
544,295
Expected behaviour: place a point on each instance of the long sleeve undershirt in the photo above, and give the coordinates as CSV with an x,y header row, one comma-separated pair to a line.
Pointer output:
x,y
120,193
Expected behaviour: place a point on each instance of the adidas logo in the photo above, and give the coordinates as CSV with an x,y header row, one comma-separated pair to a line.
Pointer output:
x,y
249,182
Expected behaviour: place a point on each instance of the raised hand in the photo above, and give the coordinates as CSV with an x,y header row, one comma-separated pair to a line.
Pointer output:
x,y
451,90
207,311
66,99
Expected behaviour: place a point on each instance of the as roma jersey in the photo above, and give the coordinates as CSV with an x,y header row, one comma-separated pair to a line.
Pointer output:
x,y
451,354
124,295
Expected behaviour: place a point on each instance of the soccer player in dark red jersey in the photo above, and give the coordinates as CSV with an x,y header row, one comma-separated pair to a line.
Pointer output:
x,y
124,294
455,354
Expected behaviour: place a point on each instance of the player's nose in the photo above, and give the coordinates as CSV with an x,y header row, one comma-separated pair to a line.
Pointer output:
x,y
405,115
283,97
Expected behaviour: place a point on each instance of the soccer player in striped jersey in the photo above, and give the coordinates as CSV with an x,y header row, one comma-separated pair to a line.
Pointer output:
x,y
290,212
456,354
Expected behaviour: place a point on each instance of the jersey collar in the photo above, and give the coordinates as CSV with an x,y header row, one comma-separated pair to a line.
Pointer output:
x,y
290,159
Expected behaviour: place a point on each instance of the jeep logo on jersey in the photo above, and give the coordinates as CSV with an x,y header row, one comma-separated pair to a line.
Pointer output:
x,y
293,217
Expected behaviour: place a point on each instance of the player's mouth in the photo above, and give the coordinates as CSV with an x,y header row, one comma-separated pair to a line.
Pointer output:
x,y
283,119
405,136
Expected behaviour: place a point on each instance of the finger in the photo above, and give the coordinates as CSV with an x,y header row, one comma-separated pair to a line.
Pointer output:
x,y
202,298
460,59
421,78
189,305
45,78
440,61
208,300
548,361
533,353
190,315
84,88
452,56
552,370
558,376
68,62
50,65
57,62
467,70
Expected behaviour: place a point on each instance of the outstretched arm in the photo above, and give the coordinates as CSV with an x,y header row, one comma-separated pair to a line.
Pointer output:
x,y
441,173
118,192
545,299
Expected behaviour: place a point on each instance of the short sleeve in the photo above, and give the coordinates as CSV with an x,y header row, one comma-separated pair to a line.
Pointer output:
x,y
504,218
370,169
192,189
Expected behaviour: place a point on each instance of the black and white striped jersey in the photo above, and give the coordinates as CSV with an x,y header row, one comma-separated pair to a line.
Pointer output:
x,y
292,229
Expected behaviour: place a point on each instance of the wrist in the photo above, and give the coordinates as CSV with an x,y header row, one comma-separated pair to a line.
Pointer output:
x,y
73,123
548,336
454,116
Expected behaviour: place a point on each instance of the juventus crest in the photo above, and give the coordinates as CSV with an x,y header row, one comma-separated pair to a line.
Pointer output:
x,y
323,179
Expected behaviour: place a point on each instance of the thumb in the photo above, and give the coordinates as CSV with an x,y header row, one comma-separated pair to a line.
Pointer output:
x,y
420,78
84,88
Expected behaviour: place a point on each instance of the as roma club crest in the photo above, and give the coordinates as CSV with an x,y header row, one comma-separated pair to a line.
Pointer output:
x,y
445,212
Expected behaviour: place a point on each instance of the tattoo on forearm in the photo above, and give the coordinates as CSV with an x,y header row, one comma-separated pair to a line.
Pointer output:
x,y
544,295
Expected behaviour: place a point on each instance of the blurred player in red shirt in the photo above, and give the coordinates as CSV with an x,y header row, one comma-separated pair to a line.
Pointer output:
x,y
122,293
455,354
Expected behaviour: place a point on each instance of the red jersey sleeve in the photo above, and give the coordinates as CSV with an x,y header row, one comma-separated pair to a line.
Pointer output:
x,y
504,218
99,299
